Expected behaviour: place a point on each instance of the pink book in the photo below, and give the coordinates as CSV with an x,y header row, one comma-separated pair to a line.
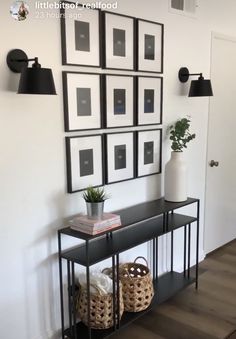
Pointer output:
x,y
92,231
107,220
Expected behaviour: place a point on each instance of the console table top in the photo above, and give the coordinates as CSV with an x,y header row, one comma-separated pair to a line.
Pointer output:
x,y
135,214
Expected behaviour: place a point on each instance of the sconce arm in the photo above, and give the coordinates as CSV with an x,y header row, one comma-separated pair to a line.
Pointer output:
x,y
17,59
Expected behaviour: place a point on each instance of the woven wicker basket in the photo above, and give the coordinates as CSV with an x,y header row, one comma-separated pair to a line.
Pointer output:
x,y
101,308
137,286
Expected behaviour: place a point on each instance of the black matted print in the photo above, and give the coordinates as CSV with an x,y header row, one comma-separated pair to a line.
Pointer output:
x,y
86,162
149,48
120,156
119,101
149,103
148,152
119,42
149,100
82,36
83,102
150,39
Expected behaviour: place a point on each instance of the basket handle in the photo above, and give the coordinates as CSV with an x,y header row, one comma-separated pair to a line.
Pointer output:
x,y
140,257
106,269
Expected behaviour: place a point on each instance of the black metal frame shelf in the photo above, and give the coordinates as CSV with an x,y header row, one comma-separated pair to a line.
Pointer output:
x,y
148,222
120,241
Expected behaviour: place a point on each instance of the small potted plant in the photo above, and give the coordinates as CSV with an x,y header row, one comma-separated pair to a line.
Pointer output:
x,y
94,198
176,169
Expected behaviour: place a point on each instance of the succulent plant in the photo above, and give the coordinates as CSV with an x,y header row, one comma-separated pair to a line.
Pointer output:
x,y
95,194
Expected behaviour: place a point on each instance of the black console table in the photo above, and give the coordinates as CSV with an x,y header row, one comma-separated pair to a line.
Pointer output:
x,y
140,223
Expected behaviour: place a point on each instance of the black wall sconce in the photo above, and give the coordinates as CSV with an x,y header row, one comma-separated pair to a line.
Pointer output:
x,y
35,80
198,88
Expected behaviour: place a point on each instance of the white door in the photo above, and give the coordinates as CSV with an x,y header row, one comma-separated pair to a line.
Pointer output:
x,y
220,207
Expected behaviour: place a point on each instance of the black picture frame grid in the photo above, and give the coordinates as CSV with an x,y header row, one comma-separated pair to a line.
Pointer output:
x,y
160,149
63,36
137,46
68,161
103,53
103,91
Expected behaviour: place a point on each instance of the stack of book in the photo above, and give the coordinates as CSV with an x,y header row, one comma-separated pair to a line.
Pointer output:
x,y
90,226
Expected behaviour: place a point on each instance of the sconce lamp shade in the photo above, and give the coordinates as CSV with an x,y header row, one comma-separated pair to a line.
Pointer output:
x,y
36,81
200,88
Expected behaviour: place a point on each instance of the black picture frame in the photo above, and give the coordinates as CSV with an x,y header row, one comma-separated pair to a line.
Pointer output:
x,y
73,120
148,165
69,57
74,155
149,113
117,163
119,87
119,62
150,49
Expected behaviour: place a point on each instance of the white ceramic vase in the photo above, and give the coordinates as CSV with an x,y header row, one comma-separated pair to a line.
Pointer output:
x,y
176,178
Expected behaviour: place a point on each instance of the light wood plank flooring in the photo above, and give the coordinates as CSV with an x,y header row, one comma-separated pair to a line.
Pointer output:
x,y
208,313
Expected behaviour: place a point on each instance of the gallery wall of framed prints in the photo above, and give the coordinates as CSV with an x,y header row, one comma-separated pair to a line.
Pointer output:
x,y
120,114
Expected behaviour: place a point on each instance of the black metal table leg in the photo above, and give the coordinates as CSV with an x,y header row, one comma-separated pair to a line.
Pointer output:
x,y
185,244
61,286
154,259
118,290
69,295
164,222
197,243
156,277
189,248
167,222
88,289
74,300
114,292
172,250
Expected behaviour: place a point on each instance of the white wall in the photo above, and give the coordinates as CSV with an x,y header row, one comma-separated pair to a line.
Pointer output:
x,y
34,201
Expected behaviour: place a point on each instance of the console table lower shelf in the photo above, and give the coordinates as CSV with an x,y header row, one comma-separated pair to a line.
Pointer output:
x,y
166,286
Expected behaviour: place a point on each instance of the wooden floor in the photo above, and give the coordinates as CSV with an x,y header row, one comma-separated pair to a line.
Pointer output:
x,y
208,313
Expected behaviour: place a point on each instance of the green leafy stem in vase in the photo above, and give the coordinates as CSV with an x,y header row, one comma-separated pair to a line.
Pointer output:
x,y
180,135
